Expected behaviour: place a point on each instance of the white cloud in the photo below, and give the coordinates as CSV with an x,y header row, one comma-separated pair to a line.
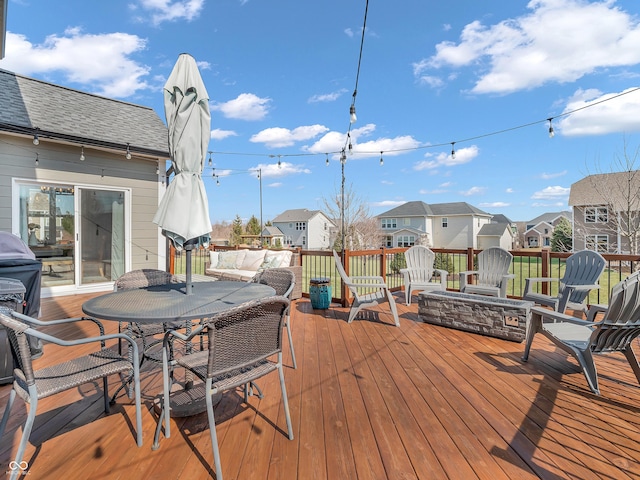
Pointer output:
x,y
245,106
272,170
327,97
275,185
432,192
509,190
473,191
463,155
278,137
167,10
551,193
547,176
388,203
386,182
495,205
597,116
218,134
557,41
98,62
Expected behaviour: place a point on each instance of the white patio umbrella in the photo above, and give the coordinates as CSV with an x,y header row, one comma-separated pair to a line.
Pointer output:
x,y
183,213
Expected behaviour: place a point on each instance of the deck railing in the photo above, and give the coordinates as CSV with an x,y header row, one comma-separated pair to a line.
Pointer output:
x,y
387,263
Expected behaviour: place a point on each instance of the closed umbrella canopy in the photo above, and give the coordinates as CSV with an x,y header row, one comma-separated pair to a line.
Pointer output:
x,y
183,213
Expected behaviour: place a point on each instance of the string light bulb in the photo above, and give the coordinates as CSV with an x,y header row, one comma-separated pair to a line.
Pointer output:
x,y
279,162
210,159
327,160
37,160
381,159
453,150
352,114
128,155
551,132
218,181
82,154
350,145
36,140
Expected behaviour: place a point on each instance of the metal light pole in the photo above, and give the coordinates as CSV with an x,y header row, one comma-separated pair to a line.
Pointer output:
x,y
343,160
261,226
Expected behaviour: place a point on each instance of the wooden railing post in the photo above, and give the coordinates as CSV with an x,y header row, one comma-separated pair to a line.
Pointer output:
x,y
383,263
345,290
546,268
172,258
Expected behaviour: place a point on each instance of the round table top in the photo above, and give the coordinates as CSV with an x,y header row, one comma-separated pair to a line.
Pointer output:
x,y
168,303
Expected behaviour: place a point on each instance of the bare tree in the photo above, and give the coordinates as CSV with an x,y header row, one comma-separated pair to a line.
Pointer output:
x,y
361,230
619,192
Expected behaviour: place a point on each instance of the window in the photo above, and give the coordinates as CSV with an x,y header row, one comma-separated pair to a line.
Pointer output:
x,y
325,225
301,226
406,240
304,240
599,243
406,222
445,222
388,242
389,223
596,215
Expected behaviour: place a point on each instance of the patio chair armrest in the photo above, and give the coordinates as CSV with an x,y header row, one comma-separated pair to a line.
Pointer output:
x,y
468,272
40,323
528,282
582,287
561,317
367,285
594,310
84,340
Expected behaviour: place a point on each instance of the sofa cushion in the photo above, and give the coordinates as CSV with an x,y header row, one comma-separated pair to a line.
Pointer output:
x,y
214,257
240,257
252,260
277,259
227,259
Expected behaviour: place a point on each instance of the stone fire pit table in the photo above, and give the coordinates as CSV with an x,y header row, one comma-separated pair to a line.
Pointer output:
x,y
497,317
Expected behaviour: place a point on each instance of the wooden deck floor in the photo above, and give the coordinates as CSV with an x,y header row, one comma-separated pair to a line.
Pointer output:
x,y
368,401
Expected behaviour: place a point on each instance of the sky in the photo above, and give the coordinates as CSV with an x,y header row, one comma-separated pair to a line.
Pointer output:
x,y
478,78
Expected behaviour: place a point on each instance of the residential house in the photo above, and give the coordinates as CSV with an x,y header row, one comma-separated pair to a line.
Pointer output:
x,y
438,225
539,231
272,236
606,212
308,229
83,176
496,234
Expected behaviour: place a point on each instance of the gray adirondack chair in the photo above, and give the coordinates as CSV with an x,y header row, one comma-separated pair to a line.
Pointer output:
x,y
420,274
367,291
583,269
492,276
582,338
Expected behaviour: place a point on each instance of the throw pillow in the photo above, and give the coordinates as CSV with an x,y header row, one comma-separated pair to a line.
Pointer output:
x,y
227,259
252,260
213,258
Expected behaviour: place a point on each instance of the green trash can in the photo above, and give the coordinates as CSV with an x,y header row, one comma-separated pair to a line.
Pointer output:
x,y
320,293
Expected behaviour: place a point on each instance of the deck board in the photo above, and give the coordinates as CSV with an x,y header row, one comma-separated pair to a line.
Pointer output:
x,y
368,401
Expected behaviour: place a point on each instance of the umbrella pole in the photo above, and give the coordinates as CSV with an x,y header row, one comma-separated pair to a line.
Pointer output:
x,y
188,247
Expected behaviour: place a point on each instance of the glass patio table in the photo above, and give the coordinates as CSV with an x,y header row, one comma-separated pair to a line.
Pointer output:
x,y
168,304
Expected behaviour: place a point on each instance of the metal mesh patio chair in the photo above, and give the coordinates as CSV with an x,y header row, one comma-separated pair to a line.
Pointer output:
x,y
241,344
32,385
582,338
141,279
283,282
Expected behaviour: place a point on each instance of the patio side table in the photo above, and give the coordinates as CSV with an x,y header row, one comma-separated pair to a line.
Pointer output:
x,y
320,293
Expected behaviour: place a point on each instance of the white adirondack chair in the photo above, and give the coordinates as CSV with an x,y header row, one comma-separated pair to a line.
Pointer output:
x,y
419,274
374,287
583,269
582,338
492,276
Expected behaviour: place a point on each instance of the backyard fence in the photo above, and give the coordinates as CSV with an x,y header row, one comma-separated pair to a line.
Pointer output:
x,y
387,262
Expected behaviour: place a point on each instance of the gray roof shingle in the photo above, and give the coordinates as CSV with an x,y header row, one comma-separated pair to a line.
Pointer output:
x,y
64,113
295,215
421,209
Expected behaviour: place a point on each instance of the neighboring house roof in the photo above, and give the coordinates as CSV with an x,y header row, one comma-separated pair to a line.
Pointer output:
x,y
500,218
493,230
421,209
549,218
297,215
61,113
415,231
619,189
272,230
539,228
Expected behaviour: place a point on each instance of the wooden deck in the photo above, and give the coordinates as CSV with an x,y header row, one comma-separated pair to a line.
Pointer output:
x,y
368,401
